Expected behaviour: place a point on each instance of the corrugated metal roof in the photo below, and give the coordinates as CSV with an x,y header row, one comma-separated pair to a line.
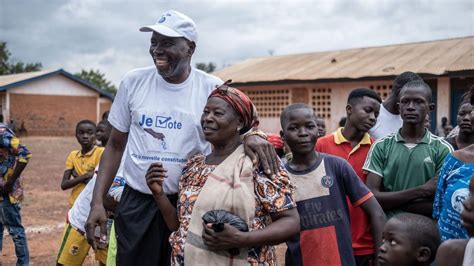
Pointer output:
x,y
432,57
13,80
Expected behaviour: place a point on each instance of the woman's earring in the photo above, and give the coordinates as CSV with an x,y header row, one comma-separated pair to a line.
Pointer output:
x,y
238,129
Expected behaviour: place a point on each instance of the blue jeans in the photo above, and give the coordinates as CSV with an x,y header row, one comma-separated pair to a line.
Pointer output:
x,y
10,217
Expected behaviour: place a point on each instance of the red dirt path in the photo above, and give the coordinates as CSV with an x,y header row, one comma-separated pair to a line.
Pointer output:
x,y
45,204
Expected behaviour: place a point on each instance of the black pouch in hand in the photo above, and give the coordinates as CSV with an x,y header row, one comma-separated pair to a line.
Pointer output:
x,y
220,217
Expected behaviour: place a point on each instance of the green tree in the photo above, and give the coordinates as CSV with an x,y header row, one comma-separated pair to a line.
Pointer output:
x,y
209,67
98,79
4,56
9,67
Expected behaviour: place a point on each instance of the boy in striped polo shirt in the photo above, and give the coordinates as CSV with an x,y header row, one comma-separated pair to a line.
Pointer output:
x,y
403,166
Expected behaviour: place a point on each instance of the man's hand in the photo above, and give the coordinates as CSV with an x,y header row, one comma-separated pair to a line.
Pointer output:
x,y
429,188
229,238
155,175
97,217
261,151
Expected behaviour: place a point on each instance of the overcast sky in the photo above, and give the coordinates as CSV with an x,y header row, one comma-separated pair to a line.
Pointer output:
x,y
84,34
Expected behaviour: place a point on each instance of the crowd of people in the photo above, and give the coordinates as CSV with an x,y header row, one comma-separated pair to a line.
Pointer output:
x,y
179,174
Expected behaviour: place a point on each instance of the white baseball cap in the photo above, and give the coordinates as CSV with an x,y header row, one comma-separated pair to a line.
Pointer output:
x,y
174,24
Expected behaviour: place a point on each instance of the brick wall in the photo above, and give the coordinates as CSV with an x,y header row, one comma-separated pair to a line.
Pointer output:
x,y
51,115
299,95
328,99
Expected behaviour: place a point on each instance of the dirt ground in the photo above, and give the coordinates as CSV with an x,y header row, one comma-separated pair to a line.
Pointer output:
x,y
45,205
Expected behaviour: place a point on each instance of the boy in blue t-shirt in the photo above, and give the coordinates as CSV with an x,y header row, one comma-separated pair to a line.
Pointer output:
x,y
322,183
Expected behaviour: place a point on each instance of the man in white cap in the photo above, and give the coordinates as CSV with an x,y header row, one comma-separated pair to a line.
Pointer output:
x,y
156,118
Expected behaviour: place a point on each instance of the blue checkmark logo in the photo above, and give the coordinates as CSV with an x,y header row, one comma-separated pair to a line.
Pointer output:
x,y
162,120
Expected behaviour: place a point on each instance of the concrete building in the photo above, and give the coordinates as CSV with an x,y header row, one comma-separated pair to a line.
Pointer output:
x,y
50,102
324,79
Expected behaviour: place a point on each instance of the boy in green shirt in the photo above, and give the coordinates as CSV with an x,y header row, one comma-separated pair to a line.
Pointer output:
x,y
403,166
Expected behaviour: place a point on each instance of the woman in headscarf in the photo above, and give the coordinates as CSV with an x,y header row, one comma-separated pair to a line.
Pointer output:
x,y
226,180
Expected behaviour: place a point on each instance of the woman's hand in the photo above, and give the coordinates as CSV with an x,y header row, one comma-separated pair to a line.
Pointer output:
x,y
155,176
262,152
228,238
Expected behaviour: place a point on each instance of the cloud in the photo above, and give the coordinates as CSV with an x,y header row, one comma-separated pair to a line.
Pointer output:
x,y
84,34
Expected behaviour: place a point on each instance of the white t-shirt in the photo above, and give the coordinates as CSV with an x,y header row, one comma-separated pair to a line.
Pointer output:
x,y
163,122
79,211
387,123
469,253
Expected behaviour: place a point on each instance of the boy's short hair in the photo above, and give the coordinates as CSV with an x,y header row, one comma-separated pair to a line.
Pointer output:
x,y
104,122
419,84
105,115
403,79
292,107
342,122
471,96
421,230
360,93
86,121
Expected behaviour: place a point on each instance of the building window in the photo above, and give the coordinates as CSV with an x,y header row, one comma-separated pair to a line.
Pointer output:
x,y
269,103
320,100
383,90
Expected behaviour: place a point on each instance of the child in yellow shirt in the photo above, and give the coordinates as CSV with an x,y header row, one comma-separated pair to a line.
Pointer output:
x,y
80,164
